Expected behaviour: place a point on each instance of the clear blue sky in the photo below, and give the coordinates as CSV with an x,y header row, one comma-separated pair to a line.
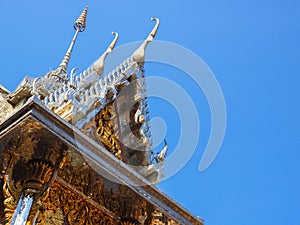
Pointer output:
x,y
253,49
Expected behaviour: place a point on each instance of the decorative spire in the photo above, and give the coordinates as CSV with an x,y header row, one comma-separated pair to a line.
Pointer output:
x,y
79,26
98,65
80,23
139,54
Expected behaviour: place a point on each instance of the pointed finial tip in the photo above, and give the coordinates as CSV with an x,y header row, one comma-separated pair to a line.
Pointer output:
x,y
139,54
98,66
80,23
113,43
155,19
154,30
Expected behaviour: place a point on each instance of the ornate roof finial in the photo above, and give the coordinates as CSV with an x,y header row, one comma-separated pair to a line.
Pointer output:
x,y
80,23
139,54
98,65
79,26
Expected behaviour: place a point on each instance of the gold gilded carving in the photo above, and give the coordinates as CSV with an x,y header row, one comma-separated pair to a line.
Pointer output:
x,y
11,194
159,218
38,174
113,199
66,207
105,130
29,160
83,179
10,202
129,222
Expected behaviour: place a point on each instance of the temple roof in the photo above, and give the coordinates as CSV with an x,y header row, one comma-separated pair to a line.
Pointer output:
x,y
82,98
88,121
34,120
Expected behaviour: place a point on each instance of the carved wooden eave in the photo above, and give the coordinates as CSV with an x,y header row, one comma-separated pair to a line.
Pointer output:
x,y
82,183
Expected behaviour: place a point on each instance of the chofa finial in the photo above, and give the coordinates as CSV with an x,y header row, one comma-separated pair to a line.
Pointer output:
x,y
154,30
113,43
139,54
79,26
98,65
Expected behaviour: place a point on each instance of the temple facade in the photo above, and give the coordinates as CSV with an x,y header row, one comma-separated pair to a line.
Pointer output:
x,y
77,148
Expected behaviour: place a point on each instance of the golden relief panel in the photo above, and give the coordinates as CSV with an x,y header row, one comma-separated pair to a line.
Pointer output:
x,y
159,218
63,206
103,127
117,126
114,200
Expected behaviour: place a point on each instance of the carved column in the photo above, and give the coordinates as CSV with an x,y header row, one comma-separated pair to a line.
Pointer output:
x,y
29,164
